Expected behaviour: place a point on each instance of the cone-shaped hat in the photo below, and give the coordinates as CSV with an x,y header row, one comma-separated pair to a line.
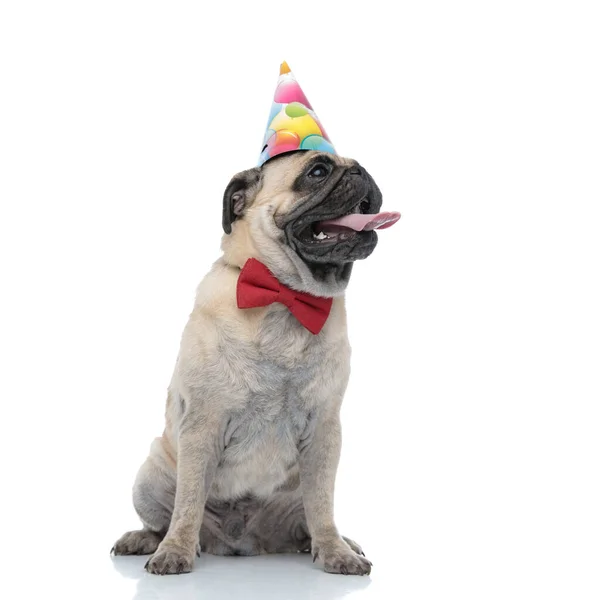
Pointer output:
x,y
292,125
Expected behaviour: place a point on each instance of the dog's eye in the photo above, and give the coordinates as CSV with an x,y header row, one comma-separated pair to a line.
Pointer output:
x,y
318,171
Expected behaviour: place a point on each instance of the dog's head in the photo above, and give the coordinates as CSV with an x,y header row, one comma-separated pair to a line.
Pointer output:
x,y
280,214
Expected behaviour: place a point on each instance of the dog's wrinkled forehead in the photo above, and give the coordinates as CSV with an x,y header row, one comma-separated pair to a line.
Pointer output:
x,y
283,176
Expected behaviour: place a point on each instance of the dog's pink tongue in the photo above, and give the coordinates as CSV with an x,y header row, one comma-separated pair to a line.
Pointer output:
x,y
358,222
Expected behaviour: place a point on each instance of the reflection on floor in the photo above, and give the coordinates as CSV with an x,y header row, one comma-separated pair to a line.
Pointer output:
x,y
274,577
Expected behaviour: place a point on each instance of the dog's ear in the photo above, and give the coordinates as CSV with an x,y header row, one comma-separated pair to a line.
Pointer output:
x,y
239,195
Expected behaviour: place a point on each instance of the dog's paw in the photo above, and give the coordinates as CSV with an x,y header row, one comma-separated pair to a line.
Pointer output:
x,y
356,547
338,556
136,542
170,560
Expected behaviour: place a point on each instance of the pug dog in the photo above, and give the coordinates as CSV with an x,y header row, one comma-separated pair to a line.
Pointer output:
x,y
247,461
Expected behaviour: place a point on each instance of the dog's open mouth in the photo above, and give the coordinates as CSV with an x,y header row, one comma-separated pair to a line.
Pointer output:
x,y
347,225
335,224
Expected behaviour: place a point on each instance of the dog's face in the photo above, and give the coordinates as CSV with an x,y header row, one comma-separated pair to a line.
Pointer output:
x,y
275,213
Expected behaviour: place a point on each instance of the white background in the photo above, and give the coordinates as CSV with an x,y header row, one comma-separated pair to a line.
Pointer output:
x,y
470,465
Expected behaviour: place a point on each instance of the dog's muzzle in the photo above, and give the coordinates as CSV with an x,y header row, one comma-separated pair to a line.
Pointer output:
x,y
332,224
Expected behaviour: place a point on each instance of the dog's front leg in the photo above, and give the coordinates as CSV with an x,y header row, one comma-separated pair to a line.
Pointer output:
x,y
318,466
198,455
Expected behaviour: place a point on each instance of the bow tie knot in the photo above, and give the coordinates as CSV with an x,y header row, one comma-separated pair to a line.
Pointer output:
x,y
257,286
286,296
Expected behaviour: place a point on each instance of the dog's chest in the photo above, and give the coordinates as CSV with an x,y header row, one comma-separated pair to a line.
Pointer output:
x,y
261,441
276,410
262,437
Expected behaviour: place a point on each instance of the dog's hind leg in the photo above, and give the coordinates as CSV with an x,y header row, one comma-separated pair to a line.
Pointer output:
x,y
153,499
141,541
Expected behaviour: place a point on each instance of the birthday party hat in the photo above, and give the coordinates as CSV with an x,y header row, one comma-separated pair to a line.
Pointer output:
x,y
292,125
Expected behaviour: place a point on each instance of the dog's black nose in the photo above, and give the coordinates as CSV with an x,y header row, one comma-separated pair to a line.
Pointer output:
x,y
355,170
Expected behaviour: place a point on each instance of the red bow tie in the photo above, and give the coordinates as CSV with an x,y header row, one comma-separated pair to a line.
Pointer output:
x,y
257,286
